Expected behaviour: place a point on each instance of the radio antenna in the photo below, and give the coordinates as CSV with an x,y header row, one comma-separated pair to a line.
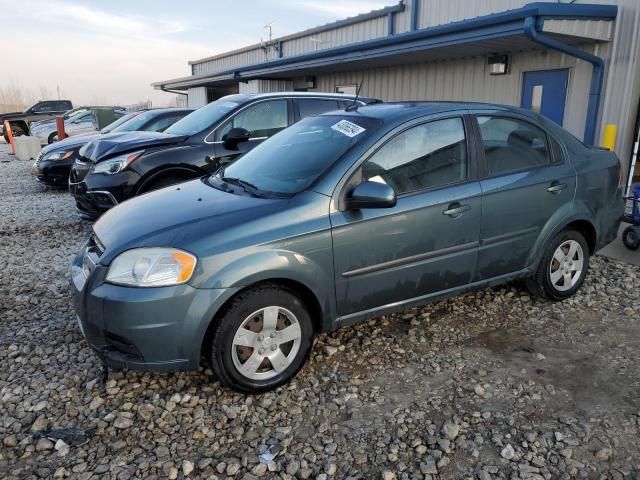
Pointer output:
x,y
354,106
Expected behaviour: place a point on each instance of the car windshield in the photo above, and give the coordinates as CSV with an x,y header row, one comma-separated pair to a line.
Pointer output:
x,y
293,159
203,118
131,122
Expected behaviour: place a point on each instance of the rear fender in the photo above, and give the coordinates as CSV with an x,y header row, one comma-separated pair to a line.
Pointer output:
x,y
569,213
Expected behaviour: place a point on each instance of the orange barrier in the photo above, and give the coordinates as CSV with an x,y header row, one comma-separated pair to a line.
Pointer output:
x,y
60,126
7,128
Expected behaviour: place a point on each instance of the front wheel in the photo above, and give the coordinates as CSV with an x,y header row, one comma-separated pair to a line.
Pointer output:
x,y
262,339
16,131
630,237
563,267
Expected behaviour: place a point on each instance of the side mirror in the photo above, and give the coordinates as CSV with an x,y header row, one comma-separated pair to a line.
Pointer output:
x,y
372,195
234,137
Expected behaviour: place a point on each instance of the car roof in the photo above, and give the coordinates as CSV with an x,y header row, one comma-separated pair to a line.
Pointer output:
x,y
169,110
399,111
243,97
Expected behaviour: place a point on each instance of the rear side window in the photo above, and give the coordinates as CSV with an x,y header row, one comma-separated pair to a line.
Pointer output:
x,y
512,145
429,155
314,106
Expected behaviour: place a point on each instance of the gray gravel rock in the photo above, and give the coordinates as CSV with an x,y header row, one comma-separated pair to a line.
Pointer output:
x,y
493,384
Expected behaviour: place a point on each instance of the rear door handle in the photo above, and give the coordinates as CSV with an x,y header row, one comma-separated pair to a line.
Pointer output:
x,y
455,210
556,187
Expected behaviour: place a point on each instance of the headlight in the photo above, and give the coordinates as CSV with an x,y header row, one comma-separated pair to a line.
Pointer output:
x,y
116,164
59,155
152,267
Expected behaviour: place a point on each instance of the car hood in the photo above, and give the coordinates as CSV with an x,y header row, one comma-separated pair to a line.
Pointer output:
x,y
179,216
115,143
70,142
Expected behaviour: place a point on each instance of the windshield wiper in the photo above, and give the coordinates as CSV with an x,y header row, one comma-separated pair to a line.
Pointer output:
x,y
247,186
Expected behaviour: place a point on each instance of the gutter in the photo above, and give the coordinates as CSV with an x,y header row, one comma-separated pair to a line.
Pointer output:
x,y
597,75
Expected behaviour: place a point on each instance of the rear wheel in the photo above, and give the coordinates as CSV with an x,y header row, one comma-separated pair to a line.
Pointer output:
x,y
631,238
563,267
262,339
53,138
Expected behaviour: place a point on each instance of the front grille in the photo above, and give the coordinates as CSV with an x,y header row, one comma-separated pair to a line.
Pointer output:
x,y
79,171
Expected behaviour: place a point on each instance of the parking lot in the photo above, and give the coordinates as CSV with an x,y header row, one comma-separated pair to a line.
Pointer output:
x,y
492,384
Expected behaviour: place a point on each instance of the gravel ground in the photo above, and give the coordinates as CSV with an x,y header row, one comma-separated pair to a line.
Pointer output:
x,y
493,384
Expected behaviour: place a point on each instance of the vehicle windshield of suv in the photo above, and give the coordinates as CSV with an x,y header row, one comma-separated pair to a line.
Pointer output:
x,y
135,123
72,113
202,118
293,159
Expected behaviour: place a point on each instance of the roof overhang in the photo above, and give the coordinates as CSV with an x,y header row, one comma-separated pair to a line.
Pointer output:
x,y
502,32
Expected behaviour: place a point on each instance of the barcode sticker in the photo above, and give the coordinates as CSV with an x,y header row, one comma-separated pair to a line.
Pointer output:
x,y
347,128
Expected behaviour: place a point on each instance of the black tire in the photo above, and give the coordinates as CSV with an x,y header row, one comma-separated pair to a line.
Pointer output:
x,y
53,138
630,238
163,182
17,131
241,309
541,285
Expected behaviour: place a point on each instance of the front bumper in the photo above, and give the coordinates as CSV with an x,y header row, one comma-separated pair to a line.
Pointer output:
x,y
54,173
96,193
149,329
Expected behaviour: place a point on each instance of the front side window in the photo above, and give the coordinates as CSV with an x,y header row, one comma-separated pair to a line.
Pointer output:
x,y
84,118
425,156
512,145
262,119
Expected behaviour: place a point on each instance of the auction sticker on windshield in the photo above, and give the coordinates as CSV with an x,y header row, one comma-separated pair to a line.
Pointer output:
x,y
347,128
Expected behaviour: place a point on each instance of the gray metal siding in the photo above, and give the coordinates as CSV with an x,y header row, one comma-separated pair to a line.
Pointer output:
x,y
373,28
467,79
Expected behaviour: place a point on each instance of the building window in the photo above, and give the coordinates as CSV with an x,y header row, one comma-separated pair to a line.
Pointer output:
x,y
347,89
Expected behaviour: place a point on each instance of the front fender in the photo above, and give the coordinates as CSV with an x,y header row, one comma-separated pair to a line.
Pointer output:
x,y
280,264
570,212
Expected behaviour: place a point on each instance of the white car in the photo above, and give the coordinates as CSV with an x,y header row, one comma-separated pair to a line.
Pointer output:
x,y
76,122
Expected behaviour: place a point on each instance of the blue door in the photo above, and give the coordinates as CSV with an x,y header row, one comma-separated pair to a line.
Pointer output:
x,y
545,92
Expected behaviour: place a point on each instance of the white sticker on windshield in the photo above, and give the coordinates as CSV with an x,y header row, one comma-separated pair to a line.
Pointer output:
x,y
347,128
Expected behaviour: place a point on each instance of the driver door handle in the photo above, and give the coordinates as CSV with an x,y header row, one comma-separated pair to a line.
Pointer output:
x,y
556,187
455,210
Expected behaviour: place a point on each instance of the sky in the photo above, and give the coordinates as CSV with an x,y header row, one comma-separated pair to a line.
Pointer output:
x,y
109,52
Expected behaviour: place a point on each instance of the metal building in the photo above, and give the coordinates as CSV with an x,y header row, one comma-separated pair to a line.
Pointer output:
x,y
577,63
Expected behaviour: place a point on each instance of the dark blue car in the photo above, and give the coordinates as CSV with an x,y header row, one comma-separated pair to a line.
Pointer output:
x,y
342,217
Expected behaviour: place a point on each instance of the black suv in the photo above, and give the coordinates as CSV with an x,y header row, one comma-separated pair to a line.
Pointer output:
x,y
20,121
111,170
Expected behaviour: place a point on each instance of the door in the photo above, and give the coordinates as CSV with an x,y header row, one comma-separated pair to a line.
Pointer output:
x,y
545,92
526,182
428,242
261,119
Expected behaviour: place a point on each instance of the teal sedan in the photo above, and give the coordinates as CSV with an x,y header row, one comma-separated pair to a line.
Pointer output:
x,y
339,218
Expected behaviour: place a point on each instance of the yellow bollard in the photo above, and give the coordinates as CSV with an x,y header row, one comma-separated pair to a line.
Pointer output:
x,y
609,136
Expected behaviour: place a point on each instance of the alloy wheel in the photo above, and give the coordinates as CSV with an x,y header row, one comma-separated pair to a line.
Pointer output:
x,y
566,265
266,343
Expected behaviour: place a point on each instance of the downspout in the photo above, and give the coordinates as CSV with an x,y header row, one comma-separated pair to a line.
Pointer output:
x,y
177,92
597,74
415,5
390,23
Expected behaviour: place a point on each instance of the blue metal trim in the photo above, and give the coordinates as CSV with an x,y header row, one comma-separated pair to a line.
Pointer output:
x,y
597,76
415,8
554,10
